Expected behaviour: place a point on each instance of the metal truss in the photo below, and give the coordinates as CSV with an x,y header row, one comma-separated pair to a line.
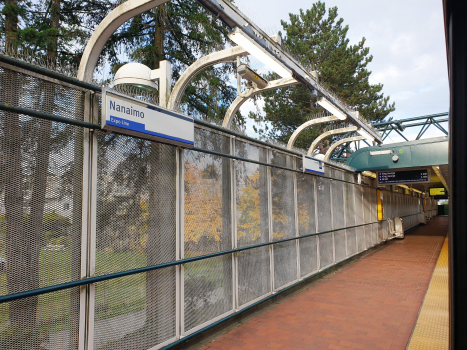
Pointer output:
x,y
385,128
398,126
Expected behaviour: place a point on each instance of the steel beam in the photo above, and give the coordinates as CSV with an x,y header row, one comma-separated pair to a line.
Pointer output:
x,y
307,125
329,133
239,101
423,117
197,67
233,17
340,142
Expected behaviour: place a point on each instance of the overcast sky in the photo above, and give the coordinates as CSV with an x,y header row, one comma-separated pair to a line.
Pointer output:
x,y
405,37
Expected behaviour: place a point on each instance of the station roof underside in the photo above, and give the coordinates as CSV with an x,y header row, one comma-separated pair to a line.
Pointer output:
x,y
424,153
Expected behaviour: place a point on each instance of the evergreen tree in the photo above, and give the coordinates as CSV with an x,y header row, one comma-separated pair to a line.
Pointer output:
x,y
180,31
321,42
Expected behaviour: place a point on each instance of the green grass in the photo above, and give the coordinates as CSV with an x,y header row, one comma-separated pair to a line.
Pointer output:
x,y
113,297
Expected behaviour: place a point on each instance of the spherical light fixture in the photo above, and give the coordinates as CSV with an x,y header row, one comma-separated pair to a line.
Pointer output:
x,y
136,74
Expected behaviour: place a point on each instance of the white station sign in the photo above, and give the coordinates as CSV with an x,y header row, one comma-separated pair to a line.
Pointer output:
x,y
311,165
130,116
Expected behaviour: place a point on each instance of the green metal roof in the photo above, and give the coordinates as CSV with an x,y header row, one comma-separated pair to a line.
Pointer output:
x,y
427,152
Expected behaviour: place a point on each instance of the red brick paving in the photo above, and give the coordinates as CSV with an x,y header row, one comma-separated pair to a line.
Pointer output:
x,y
371,304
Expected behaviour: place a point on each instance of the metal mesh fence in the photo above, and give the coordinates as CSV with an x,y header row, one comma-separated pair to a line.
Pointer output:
x,y
306,204
308,255
136,199
323,203
208,290
253,274
282,195
338,213
326,250
207,204
136,311
285,264
41,94
350,209
340,245
147,203
48,322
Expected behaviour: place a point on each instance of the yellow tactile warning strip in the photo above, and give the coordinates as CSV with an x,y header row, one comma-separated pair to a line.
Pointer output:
x,y
432,328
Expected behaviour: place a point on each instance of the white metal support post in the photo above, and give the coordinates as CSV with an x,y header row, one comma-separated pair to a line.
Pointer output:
x,y
181,247
270,221
315,200
297,232
83,325
344,196
233,189
178,240
332,223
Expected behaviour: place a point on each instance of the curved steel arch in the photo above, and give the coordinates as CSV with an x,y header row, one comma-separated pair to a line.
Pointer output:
x,y
307,125
340,142
199,66
329,133
239,101
106,28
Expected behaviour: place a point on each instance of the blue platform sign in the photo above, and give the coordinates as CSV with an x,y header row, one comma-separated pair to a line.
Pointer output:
x,y
133,117
311,165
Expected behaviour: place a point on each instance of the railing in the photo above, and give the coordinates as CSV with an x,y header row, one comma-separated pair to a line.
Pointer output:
x,y
159,242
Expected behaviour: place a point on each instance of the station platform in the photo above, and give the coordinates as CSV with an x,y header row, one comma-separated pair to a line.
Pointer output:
x,y
371,304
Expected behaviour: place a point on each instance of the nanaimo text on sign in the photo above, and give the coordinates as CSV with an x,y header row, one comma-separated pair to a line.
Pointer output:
x,y
130,116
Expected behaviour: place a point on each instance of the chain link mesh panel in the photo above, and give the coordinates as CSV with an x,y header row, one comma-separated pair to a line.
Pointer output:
x,y
350,209
136,203
251,204
208,222
380,231
338,216
367,203
49,322
306,204
208,290
252,217
282,192
326,250
285,263
368,236
135,312
340,245
359,210
253,274
323,204
308,255
27,91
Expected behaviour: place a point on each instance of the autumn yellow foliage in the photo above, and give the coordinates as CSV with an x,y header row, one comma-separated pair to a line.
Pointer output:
x,y
203,205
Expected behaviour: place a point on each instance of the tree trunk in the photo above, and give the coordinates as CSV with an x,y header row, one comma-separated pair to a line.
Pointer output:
x,y
11,24
22,311
160,285
160,247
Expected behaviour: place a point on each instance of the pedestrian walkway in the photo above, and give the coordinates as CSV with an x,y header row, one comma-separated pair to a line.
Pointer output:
x,y
371,304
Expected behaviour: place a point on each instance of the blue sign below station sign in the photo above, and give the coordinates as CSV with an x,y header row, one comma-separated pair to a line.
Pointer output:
x,y
133,117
